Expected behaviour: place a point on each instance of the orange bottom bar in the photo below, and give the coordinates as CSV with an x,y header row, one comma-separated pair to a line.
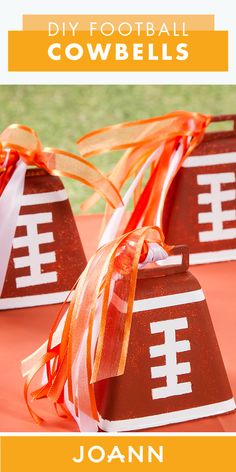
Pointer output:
x,y
103,453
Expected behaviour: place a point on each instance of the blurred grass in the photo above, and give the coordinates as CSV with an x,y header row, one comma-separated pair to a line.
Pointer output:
x,y
61,114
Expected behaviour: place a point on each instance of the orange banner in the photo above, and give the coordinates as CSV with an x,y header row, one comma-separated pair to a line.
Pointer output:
x,y
37,51
122,43
104,453
82,22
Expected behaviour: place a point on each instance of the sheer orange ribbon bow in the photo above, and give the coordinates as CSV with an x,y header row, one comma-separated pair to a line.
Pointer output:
x,y
24,143
141,138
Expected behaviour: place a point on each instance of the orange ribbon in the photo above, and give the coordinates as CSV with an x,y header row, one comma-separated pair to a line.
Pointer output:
x,y
111,271
141,138
24,143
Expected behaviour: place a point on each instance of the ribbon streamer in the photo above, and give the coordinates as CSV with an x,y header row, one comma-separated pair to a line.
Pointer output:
x,y
10,203
174,131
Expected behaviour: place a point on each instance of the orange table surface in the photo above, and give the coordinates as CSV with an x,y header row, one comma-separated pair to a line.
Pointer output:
x,y
23,330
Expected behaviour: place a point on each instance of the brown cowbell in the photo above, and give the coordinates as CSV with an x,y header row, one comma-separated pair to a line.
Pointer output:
x,y
200,208
174,370
47,256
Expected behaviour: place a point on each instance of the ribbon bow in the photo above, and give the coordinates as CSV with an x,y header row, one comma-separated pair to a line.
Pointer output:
x,y
161,143
24,144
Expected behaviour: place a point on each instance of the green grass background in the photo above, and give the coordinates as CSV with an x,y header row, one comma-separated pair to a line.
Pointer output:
x,y
61,114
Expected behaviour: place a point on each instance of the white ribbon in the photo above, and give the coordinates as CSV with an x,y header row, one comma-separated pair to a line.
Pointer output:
x,y
155,253
10,203
113,224
174,162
